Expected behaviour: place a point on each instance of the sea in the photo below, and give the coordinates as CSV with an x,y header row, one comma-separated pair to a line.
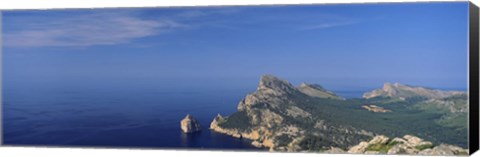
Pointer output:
x,y
120,114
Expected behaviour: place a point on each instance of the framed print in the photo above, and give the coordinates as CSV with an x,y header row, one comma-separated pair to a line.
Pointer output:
x,y
372,78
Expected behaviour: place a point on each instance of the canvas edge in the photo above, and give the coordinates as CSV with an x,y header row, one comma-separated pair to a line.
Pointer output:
x,y
236,5
473,78
473,83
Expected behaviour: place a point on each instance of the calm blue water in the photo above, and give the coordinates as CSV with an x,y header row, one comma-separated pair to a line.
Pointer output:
x,y
118,114
50,113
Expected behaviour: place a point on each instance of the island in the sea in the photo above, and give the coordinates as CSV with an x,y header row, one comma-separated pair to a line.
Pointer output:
x,y
399,119
190,124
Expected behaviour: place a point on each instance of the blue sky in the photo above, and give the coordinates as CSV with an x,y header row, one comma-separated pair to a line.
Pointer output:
x,y
345,46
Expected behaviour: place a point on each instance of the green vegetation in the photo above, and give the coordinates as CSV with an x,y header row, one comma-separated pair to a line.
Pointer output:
x,y
238,120
403,120
283,140
382,148
454,120
450,108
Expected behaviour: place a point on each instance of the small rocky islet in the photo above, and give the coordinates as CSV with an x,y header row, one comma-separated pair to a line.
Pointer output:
x,y
190,124
279,116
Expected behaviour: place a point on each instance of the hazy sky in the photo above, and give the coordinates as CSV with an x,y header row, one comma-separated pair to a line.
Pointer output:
x,y
339,46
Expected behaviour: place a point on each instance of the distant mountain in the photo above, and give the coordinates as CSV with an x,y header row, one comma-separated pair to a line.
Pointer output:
x,y
452,105
398,90
282,117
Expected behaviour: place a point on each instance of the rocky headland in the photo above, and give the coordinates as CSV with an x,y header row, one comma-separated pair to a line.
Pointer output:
x,y
265,117
282,117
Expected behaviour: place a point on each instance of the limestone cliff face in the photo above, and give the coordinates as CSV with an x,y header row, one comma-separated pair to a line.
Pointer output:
x,y
189,124
271,92
253,135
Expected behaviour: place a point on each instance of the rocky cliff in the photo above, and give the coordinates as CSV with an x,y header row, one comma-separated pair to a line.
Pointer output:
x,y
269,117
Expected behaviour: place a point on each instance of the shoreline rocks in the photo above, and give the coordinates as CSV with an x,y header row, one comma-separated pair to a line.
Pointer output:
x,y
257,139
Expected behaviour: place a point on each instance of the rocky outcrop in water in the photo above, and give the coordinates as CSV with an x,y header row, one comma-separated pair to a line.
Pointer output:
x,y
189,124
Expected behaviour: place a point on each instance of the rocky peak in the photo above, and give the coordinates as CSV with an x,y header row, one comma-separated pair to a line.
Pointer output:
x,y
270,82
391,87
270,91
